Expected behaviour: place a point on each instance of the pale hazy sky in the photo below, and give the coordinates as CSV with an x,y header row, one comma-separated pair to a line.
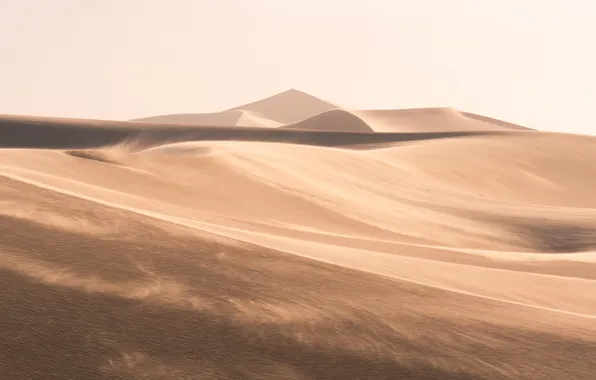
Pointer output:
x,y
531,62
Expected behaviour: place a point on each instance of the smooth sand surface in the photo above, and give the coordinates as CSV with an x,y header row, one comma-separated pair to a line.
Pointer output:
x,y
238,118
324,243
431,120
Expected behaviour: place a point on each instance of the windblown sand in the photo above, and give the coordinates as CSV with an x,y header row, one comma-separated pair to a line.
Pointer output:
x,y
292,239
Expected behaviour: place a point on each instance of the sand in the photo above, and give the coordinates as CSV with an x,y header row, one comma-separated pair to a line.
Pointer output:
x,y
291,238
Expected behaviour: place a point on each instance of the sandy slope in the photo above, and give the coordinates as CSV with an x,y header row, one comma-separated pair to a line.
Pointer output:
x,y
239,118
426,120
431,120
333,120
154,251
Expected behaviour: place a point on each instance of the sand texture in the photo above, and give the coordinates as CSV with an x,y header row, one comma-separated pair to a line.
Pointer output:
x,y
291,238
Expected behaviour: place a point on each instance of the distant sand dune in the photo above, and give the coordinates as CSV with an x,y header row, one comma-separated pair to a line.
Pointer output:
x,y
238,118
333,120
290,238
288,107
431,120
296,110
403,121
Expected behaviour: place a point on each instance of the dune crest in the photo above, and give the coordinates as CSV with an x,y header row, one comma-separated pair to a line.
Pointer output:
x,y
290,238
288,107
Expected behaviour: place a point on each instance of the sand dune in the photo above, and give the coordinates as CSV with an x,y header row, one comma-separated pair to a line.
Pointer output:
x,y
431,120
333,120
238,118
288,107
285,108
427,120
453,246
296,110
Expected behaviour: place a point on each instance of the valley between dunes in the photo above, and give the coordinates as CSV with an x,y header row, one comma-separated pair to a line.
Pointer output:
x,y
291,238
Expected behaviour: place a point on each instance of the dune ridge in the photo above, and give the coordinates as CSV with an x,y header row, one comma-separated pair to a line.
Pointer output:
x,y
290,238
238,118
63,133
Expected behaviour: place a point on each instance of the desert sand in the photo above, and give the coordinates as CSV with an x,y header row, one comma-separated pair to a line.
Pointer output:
x,y
291,238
